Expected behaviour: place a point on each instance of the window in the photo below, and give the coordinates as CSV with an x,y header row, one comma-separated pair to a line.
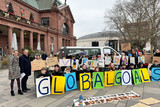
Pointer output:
x,y
45,21
95,43
65,29
91,52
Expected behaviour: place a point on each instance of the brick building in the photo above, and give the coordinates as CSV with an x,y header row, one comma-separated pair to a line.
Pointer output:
x,y
46,21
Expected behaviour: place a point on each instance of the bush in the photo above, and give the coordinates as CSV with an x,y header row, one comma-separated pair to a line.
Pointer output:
x,y
5,61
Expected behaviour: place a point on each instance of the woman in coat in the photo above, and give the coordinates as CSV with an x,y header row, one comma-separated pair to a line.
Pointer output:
x,y
14,72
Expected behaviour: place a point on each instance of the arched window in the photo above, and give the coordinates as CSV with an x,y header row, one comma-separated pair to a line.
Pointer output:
x,y
65,29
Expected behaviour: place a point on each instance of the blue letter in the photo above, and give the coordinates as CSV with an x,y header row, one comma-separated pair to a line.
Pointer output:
x,y
73,82
55,87
85,81
43,87
98,81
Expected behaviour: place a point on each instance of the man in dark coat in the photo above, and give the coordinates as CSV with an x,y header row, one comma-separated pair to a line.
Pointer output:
x,y
25,67
44,56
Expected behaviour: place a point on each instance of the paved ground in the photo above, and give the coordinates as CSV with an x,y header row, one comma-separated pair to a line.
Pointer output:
x,y
29,99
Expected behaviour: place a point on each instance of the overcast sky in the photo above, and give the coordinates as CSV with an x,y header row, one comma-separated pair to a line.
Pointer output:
x,y
89,15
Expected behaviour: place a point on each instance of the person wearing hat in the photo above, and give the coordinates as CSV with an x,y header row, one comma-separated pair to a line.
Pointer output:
x,y
155,64
43,73
83,56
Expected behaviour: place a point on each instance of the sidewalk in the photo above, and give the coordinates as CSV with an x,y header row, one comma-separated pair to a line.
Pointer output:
x,y
29,99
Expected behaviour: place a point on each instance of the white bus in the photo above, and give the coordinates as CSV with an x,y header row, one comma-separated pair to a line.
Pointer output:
x,y
68,52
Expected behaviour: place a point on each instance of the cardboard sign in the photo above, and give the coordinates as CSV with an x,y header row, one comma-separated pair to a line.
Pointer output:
x,y
125,60
117,79
108,60
101,63
132,60
106,99
85,81
98,80
156,74
70,82
75,64
148,59
43,86
94,64
156,58
136,76
64,62
37,64
125,46
85,61
58,85
126,77
109,78
116,60
51,61
141,59
144,75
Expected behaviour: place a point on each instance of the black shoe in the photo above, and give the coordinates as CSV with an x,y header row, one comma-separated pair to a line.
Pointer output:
x,y
12,93
28,89
24,91
20,92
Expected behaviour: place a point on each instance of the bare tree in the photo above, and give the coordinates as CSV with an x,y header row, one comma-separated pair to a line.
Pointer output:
x,y
137,20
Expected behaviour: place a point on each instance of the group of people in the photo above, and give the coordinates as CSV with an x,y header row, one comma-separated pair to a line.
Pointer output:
x,y
17,66
22,64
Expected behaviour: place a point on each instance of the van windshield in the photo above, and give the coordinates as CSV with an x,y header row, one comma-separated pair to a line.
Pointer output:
x,y
91,52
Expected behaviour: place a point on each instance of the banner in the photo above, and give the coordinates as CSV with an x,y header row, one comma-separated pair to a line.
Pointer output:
x,y
156,58
144,75
108,60
125,60
85,61
98,80
38,64
101,63
156,74
109,78
107,98
148,59
58,85
116,60
70,81
125,46
85,81
75,64
94,64
64,62
126,77
136,76
117,79
51,61
141,59
132,60
43,86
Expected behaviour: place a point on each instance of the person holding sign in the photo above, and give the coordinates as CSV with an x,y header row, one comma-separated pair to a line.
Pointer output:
x,y
14,72
57,71
25,66
43,73
155,64
83,56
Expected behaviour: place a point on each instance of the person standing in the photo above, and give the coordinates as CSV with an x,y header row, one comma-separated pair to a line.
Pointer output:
x,y
44,56
14,72
25,67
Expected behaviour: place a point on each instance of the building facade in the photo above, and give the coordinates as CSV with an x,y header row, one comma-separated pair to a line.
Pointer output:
x,y
48,22
110,38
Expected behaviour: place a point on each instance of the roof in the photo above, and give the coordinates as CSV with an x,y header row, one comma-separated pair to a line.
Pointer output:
x,y
42,4
101,34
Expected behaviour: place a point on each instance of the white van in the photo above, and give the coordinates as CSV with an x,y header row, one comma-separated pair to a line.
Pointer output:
x,y
68,52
